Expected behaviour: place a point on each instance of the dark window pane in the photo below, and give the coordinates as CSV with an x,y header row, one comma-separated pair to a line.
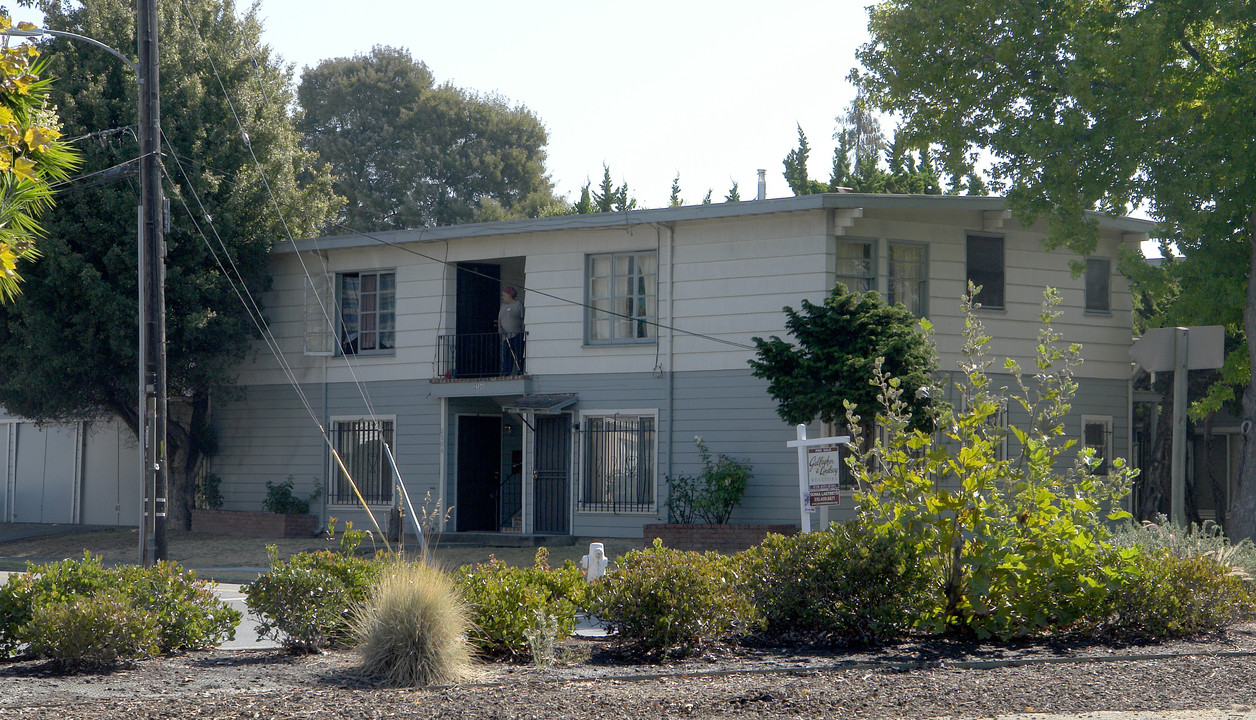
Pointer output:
x,y
985,269
1098,274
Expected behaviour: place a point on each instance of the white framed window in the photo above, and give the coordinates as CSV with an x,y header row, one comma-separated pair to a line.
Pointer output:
x,y
368,312
622,297
984,259
619,457
1097,435
856,266
1098,285
360,444
908,276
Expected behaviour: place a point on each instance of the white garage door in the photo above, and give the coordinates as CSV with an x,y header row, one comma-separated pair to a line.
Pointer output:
x,y
45,474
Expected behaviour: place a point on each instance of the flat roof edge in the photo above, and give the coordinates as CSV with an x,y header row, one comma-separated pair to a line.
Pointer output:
x,y
664,216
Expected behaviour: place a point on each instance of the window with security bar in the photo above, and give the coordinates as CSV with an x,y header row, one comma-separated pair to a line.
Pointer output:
x,y
360,444
618,470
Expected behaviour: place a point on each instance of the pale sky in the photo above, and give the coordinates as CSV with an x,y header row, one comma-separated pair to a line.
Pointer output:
x,y
709,90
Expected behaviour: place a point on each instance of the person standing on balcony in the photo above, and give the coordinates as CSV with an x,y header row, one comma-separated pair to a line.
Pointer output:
x,y
510,327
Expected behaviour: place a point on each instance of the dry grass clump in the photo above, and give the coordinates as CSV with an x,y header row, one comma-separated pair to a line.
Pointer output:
x,y
413,630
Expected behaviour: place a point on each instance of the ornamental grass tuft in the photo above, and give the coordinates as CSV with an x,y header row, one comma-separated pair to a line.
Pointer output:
x,y
412,632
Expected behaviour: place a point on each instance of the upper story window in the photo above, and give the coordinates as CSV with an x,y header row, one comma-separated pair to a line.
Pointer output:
x,y
985,269
1098,285
908,280
857,264
622,297
368,312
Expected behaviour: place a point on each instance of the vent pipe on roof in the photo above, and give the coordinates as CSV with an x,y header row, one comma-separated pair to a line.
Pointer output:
x,y
763,185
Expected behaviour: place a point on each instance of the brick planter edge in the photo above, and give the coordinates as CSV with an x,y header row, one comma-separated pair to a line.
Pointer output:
x,y
253,524
722,538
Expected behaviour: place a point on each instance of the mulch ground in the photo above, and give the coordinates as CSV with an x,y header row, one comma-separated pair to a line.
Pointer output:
x,y
921,679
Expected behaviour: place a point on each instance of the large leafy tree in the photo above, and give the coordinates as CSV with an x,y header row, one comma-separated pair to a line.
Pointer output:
x,y
1097,104
69,348
834,354
409,153
32,157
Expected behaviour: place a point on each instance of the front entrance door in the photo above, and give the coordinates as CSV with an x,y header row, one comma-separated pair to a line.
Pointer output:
x,y
553,456
479,470
477,350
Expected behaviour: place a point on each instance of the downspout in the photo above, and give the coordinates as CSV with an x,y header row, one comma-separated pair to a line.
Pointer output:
x,y
326,446
1129,437
671,347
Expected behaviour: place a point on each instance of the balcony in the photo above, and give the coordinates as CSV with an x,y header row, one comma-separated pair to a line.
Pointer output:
x,y
480,356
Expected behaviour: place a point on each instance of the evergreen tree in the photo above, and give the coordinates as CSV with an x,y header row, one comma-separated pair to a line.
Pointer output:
x,y
585,205
734,195
796,165
80,305
675,199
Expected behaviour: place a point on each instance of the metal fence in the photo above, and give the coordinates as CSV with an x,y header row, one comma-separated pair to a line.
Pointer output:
x,y
479,355
360,444
618,464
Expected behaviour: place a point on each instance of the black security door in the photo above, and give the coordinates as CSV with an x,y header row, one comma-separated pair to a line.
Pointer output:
x,y
477,352
479,468
553,453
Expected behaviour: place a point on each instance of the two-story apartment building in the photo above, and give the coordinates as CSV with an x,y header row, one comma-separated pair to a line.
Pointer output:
x,y
637,328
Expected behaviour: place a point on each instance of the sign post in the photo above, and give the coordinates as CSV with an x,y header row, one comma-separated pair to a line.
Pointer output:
x,y
1180,350
819,472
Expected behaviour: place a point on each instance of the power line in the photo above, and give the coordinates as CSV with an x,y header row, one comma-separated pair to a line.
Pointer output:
x,y
542,293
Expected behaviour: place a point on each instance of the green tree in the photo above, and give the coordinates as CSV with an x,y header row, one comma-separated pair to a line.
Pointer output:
x,y
32,156
734,194
796,165
80,311
675,200
706,199
585,205
1101,106
610,197
836,350
409,153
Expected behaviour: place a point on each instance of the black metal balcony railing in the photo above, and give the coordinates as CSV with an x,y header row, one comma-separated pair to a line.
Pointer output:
x,y
480,355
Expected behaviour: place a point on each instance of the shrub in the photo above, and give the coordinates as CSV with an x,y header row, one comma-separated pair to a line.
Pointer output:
x,y
188,615
512,607
183,609
1205,540
1173,596
281,500
661,600
712,495
48,584
1018,545
413,630
841,583
307,601
91,631
208,494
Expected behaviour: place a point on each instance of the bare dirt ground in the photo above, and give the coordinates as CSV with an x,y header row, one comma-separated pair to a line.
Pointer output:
x,y
924,678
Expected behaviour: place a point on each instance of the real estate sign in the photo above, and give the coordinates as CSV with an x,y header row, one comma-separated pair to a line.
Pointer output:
x,y
819,472
824,467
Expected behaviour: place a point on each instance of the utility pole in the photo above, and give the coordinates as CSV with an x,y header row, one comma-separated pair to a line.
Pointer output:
x,y
152,295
